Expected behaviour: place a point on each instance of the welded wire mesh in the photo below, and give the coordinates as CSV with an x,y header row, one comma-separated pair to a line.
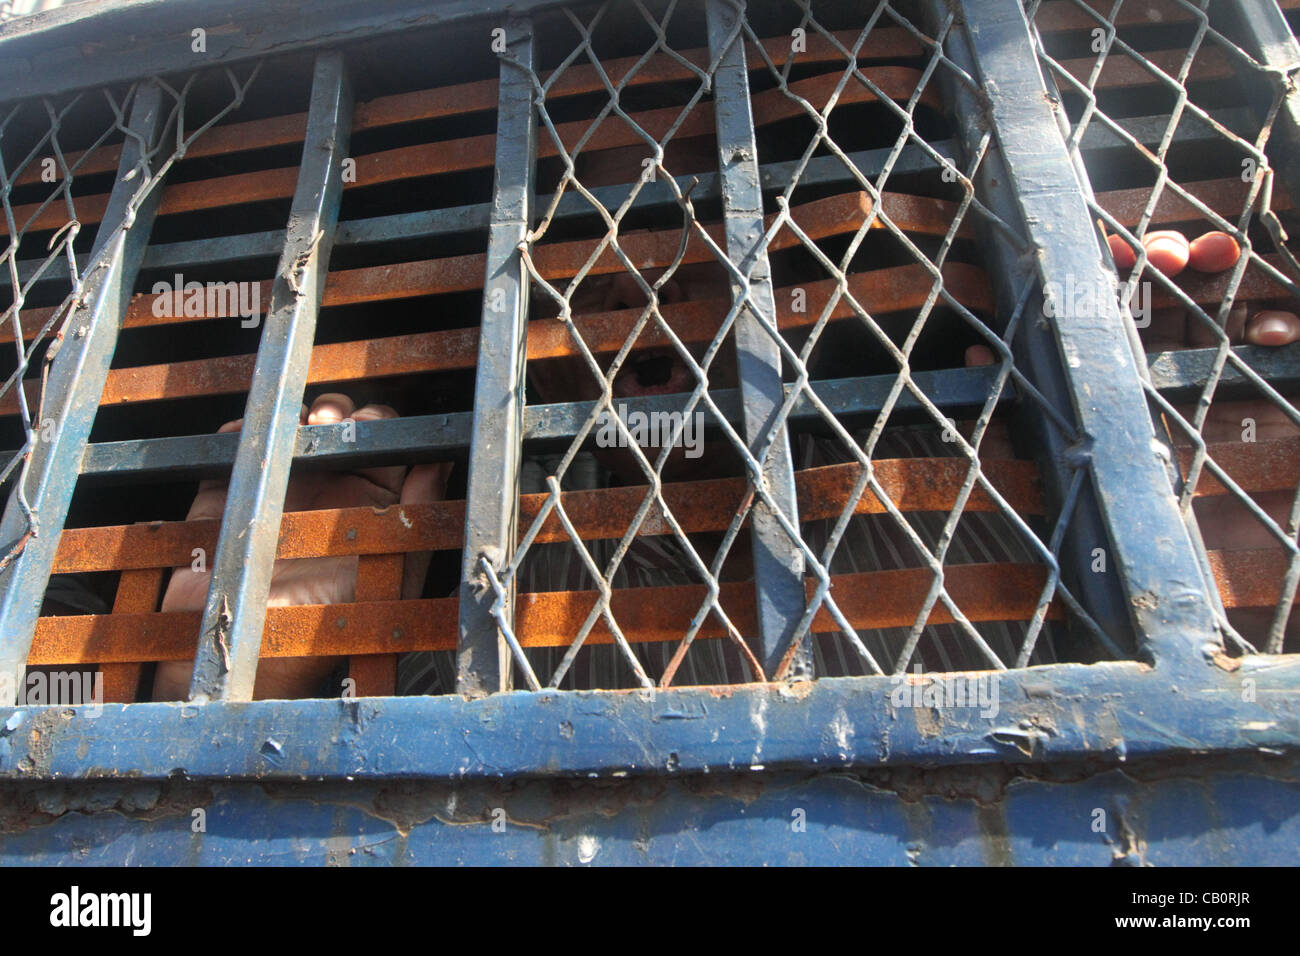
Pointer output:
x,y
1171,118
873,226
58,165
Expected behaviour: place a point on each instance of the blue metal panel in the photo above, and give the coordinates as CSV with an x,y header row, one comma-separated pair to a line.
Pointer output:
x,y
1195,813
492,498
231,635
40,497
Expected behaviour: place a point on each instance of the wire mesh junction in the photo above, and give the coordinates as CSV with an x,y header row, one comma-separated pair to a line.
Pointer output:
x,y
1171,118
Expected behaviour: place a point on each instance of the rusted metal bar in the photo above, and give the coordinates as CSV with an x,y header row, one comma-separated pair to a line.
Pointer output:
x,y
912,484
477,152
481,95
137,593
39,498
1226,197
1124,72
875,599
882,291
379,578
821,219
226,662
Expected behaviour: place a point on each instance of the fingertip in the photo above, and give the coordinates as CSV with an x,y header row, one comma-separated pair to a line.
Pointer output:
x,y
1121,252
330,409
1273,328
1167,251
1213,252
369,413
234,426
977,355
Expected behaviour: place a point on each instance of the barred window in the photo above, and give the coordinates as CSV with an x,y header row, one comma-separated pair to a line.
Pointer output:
x,y
658,346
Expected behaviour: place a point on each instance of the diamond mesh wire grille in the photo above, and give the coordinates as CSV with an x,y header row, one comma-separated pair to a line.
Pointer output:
x,y
870,227
54,194
1171,118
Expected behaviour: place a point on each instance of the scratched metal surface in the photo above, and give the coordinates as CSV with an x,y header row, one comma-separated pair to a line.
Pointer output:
x,y
1191,813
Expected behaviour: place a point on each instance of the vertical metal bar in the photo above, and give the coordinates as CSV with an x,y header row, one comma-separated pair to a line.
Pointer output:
x,y
71,398
492,498
1152,548
231,635
1033,348
778,563
1266,35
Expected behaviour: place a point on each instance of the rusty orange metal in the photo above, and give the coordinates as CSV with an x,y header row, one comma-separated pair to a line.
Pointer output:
x,y
1227,197
880,599
478,152
481,95
1255,466
913,484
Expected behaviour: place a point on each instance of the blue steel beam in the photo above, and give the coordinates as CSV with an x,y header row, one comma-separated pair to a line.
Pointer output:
x,y
492,496
231,633
71,396
778,563
422,438
1151,546
1087,712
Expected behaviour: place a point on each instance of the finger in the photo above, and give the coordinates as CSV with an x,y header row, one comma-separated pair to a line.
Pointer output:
x,y
370,413
980,355
425,483
387,477
1273,328
234,426
1121,252
1167,251
330,409
1213,252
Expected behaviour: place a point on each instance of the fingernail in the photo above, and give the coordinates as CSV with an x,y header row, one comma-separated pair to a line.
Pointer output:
x,y
1273,328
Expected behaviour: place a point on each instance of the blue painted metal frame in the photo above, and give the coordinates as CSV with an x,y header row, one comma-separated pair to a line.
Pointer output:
x,y
1193,701
496,454
76,380
778,563
230,637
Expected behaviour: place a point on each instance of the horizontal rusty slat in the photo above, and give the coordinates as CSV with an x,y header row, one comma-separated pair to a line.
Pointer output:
x,y
913,484
1255,466
481,96
831,215
878,599
1122,71
479,152
881,291
1249,579
1227,197
1210,289
885,290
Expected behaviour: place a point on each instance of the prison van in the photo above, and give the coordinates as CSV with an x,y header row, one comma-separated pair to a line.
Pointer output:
x,y
322,344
